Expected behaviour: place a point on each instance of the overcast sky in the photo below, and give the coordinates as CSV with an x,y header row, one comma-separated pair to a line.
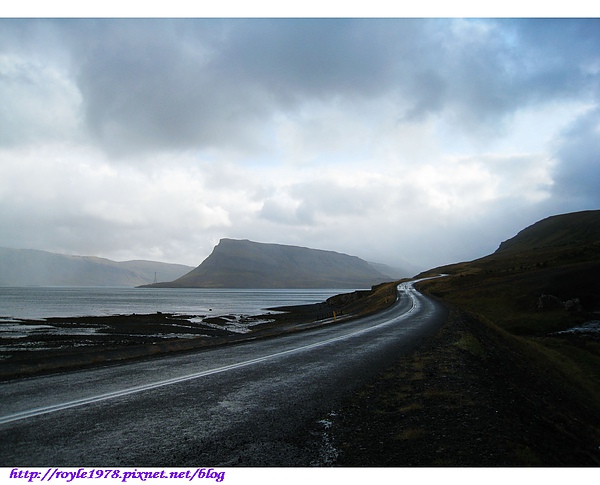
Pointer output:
x,y
424,140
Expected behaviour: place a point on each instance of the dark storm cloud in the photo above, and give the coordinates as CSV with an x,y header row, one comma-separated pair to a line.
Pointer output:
x,y
293,59
199,83
206,83
492,68
148,84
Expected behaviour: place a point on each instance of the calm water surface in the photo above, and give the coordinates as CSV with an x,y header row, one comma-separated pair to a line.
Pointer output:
x,y
41,302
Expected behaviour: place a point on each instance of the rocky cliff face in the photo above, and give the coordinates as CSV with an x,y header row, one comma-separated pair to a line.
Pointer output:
x,y
247,264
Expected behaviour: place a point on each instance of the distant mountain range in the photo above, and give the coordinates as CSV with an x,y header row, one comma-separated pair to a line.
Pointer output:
x,y
247,264
30,267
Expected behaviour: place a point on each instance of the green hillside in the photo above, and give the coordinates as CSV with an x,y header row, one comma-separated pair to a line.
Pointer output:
x,y
540,293
556,233
513,377
555,260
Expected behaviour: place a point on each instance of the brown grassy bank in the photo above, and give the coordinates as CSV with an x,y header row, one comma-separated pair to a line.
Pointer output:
x,y
506,382
534,309
471,396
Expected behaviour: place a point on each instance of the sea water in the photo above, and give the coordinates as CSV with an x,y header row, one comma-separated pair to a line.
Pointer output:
x,y
42,302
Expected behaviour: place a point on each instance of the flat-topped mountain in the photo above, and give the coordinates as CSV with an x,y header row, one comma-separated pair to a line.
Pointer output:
x,y
30,267
246,264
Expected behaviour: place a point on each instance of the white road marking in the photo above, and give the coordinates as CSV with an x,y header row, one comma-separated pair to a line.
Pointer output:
x,y
133,390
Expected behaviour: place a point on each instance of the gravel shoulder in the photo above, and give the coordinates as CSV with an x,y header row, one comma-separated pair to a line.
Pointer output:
x,y
467,397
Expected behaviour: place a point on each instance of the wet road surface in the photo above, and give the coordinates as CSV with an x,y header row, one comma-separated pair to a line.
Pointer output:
x,y
261,403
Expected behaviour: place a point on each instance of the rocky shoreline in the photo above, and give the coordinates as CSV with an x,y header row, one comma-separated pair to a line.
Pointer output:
x,y
33,347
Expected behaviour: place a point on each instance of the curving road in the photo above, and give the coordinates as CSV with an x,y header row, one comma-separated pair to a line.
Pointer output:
x,y
261,403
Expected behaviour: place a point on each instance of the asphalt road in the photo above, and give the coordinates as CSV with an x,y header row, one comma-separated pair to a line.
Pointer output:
x,y
261,403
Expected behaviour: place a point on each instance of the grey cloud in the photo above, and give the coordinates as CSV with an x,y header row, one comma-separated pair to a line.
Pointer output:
x,y
428,90
321,201
317,57
486,70
196,83
160,85
39,101
150,85
275,212
577,175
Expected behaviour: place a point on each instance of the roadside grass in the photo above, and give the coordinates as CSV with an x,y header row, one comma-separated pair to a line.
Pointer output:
x,y
411,434
498,385
365,302
572,369
470,343
410,408
525,455
474,395
505,296
509,304
423,411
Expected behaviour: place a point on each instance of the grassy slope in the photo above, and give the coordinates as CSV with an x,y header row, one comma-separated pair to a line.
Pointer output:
x,y
470,396
524,394
508,292
560,258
